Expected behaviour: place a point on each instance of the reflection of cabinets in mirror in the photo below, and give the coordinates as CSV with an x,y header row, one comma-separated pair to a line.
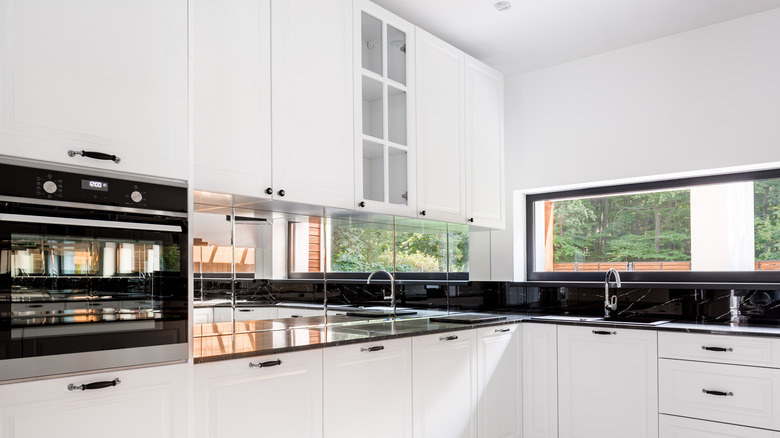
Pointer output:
x,y
384,102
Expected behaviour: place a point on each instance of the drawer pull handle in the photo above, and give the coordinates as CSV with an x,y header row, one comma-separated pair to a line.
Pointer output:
x,y
370,349
270,363
718,393
603,332
94,385
502,330
448,338
95,155
706,348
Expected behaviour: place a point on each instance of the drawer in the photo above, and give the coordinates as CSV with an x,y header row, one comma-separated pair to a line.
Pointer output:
x,y
746,396
739,350
678,427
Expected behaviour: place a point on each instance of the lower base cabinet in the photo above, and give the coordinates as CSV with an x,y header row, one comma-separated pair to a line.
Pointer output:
x,y
368,389
500,382
146,402
275,396
679,427
445,384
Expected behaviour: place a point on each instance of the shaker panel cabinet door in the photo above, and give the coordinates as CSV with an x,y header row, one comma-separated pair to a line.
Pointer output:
x,y
445,384
149,402
311,91
441,168
607,382
275,396
499,412
540,380
100,76
368,389
231,96
485,190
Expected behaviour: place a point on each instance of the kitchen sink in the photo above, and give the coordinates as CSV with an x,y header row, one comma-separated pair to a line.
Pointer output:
x,y
641,320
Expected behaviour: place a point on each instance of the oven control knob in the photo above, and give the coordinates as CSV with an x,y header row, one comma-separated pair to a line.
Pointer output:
x,y
136,196
49,187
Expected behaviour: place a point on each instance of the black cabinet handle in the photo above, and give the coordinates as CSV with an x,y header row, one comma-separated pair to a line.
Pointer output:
x,y
280,192
603,332
448,338
95,155
370,349
270,363
269,191
246,310
422,213
94,385
471,219
724,349
502,330
361,204
718,393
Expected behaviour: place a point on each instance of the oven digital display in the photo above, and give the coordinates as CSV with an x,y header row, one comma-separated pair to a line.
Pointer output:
x,y
92,184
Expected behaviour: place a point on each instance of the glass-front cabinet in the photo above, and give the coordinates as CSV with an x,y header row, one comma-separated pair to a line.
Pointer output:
x,y
384,112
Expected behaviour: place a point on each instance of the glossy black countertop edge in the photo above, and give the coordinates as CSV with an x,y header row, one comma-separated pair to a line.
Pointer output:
x,y
664,285
684,327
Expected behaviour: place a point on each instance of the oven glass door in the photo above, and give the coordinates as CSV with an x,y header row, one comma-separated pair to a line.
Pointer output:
x,y
88,281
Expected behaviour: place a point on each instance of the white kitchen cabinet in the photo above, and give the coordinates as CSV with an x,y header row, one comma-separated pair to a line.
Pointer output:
x,y
484,125
384,117
222,314
499,410
312,98
540,380
293,312
607,382
241,398
441,167
149,402
252,59
231,95
367,389
202,315
444,393
679,427
108,77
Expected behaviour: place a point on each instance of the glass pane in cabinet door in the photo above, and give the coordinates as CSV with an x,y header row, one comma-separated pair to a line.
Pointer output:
x,y
396,55
396,115
373,171
373,108
397,176
371,43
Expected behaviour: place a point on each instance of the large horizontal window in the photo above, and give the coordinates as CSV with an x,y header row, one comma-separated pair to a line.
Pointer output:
x,y
709,229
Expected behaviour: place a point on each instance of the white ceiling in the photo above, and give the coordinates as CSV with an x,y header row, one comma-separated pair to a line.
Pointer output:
x,y
539,33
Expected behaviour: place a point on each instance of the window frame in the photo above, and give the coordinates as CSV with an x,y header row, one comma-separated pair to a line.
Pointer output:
x,y
701,277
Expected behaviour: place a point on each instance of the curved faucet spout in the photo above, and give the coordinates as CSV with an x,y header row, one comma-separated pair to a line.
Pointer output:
x,y
610,304
392,286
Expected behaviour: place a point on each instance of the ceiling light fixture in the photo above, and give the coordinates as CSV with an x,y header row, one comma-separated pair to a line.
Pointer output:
x,y
503,6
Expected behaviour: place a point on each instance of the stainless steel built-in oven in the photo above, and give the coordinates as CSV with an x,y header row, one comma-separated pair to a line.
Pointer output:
x,y
93,270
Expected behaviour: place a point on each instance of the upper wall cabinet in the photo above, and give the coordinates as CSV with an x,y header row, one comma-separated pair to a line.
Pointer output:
x,y
485,201
231,95
252,58
441,154
384,111
86,75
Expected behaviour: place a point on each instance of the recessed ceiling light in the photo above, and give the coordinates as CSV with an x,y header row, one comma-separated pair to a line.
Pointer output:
x,y
503,6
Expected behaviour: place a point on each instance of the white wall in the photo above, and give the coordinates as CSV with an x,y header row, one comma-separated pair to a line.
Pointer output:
x,y
703,99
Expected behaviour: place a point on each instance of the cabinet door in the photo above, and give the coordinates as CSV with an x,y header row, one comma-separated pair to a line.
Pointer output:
x,y
149,402
385,156
485,201
368,389
234,399
231,95
441,168
500,396
311,70
679,427
97,76
607,382
444,374
540,380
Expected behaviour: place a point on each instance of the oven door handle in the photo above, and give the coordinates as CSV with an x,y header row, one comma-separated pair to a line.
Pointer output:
x,y
88,223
